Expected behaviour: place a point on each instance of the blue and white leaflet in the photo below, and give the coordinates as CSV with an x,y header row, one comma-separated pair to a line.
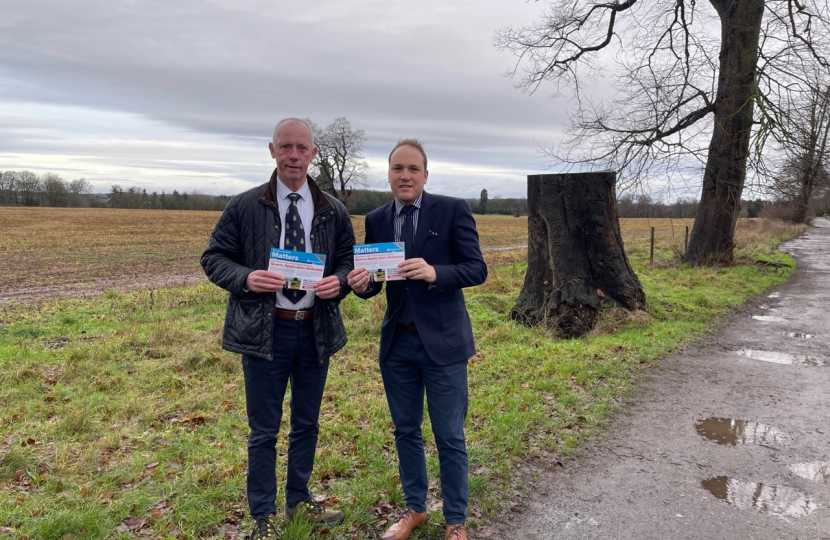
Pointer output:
x,y
301,269
380,260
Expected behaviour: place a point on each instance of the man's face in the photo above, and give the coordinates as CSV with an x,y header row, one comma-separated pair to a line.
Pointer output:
x,y
293,148
407,175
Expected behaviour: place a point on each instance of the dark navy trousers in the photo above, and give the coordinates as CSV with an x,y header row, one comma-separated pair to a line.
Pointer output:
x,y
294,362
408,372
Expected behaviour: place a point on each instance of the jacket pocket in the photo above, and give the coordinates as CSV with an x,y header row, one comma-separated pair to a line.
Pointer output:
x,y
455,324
245,322
332,328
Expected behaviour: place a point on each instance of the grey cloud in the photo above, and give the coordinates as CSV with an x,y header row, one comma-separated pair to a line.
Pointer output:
x,y
233,68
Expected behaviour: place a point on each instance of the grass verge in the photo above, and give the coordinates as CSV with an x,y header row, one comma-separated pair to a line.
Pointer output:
x,y
122,417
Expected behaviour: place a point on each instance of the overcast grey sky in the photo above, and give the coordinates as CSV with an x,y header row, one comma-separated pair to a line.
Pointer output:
x,y
184,94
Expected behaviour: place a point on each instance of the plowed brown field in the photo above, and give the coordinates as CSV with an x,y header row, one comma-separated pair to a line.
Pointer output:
x,y
54,253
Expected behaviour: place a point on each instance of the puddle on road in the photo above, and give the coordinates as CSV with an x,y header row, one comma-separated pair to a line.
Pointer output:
x,y
817,471
768,318
781,358
728,431
775,500
801,335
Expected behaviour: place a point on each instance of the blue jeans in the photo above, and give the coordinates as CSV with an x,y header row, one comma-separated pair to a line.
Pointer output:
x,y
266,381
407,372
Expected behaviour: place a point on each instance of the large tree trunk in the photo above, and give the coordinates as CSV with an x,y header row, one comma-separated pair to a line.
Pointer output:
x,y
805,190
575,255
723,179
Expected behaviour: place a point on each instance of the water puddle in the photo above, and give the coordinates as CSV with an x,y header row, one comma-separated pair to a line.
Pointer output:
x,y
782,358
775,500
728,431
768,318
801,335
817,471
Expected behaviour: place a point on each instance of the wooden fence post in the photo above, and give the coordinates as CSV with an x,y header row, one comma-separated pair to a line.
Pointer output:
x,y
686,241
652,245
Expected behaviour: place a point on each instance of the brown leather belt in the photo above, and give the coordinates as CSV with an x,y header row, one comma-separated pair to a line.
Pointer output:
x,y
299,315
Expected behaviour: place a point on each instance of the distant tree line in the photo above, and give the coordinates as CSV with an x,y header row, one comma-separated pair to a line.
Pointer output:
x,y
139,198
25,188
643,206
498,205
632,206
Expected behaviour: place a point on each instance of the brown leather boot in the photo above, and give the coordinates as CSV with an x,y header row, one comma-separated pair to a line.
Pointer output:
x,y
456,532
403,528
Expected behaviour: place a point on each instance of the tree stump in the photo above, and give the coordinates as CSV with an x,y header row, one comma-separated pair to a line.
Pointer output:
x,y
575,255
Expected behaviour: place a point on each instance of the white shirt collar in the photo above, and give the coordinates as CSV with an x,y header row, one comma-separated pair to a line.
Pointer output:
x,y
283,192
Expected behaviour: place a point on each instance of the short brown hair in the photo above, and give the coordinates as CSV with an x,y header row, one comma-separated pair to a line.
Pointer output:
x,y
414,143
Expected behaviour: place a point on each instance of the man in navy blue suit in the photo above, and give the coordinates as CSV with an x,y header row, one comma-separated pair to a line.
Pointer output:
x,y
426,337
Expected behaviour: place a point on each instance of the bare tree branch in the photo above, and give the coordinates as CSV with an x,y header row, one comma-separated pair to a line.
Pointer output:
x,y
695,90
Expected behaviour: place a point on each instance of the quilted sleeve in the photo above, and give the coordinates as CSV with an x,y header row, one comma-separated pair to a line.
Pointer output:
x,y
344,251
221,260
375,286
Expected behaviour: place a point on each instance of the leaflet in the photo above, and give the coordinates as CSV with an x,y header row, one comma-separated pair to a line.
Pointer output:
x,y
380,260
301,269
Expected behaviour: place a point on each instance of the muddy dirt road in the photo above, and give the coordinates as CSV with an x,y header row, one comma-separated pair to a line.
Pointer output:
x,y
729,440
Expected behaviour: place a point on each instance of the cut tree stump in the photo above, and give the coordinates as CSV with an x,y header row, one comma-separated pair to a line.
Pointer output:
x,y
575,255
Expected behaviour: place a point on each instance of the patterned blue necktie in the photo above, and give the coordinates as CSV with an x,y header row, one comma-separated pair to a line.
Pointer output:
x,y
407,229
294,239
408,237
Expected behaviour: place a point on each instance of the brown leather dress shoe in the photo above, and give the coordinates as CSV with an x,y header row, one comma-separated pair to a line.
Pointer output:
x,y
456,532
403,528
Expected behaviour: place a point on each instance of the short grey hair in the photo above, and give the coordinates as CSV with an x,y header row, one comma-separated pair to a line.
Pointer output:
x,y
285,121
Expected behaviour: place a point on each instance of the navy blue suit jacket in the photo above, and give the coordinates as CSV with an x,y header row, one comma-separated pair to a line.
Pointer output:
x,y
447,239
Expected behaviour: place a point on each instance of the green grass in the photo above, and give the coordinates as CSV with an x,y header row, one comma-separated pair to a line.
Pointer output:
x,y
122,415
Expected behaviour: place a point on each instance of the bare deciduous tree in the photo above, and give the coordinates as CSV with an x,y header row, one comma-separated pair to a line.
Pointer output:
x,y
78,188
8,187
805,149
28,188
55,192
682,74
339,160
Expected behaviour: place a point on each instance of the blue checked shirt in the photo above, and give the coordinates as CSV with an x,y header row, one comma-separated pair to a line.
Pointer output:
x,y
399,217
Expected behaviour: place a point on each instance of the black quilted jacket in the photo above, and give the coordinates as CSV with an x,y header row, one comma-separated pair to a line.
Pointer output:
x,y
241,243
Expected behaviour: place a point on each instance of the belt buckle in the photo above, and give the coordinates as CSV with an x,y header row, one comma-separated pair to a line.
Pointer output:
x,y
299,315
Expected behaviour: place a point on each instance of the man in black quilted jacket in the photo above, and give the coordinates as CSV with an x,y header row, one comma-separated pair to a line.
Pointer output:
x,y
283,335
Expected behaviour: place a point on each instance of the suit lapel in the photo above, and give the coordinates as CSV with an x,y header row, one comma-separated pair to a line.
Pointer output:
x,y
385,226
426,217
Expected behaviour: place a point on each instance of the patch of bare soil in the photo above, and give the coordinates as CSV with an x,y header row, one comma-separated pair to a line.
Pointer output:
x,y
501,249
65,285
95,286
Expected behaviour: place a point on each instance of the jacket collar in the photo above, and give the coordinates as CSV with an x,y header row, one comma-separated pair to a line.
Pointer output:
x,y
269,193
426,217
